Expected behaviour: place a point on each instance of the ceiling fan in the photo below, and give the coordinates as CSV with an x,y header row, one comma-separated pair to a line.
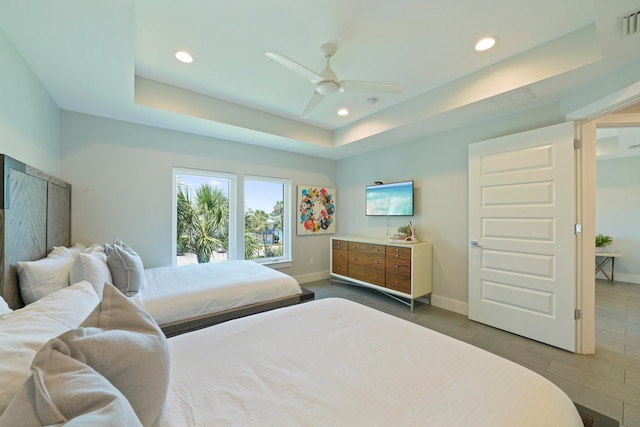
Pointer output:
x,y
326,82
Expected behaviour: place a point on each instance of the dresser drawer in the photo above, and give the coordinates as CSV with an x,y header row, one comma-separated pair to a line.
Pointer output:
x,y
365,260
398,266
398,282
396,252
339,262
366,248
339,244
377,277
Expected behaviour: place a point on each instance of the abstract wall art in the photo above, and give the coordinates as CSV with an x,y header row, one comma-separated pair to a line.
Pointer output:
x,y
316,210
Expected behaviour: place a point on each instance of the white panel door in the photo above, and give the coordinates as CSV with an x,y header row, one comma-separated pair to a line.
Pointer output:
x,y
522,236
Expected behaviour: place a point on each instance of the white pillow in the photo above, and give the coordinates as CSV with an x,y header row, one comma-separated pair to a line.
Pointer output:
x,y
92,267
24,331
46,275
4,307
63,250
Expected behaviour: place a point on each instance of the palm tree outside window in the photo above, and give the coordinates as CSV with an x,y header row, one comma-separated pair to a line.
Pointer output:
x,y
206,205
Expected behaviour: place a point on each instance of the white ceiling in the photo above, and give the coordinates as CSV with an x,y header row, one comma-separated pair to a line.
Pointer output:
x,y
115,59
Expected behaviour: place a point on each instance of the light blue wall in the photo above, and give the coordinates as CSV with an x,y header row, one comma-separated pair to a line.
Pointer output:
x,y
438,165
122,183
618,211
29,119
121,175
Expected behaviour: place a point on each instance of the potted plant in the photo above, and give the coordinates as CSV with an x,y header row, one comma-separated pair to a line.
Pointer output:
x,y
602,241
403,232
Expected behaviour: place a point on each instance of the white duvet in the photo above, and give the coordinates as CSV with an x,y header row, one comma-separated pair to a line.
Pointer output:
x,y
177,293
333,362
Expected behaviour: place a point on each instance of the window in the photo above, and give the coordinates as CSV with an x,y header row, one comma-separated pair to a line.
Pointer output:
x,y
208,206
267,212
202,216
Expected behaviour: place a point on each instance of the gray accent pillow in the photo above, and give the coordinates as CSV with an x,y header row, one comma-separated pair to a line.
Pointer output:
x,y
63,390
122,343
127,270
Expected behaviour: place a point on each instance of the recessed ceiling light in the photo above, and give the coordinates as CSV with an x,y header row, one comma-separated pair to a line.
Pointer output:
x,y
184,56
485,43
343,112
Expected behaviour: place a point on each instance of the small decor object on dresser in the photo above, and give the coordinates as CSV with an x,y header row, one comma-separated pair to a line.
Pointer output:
x,y
316,210
405,234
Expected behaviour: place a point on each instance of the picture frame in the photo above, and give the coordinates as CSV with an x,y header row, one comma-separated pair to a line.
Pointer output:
x,y
316,210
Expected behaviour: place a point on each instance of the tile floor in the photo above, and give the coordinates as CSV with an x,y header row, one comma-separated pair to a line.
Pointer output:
x,y
607,382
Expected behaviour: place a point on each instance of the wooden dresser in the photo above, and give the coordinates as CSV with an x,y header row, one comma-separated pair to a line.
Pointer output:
x,y
398,270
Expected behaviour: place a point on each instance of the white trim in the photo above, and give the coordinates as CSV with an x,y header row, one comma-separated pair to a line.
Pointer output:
x,y
312,277
623,277
450,304
620,99
585,292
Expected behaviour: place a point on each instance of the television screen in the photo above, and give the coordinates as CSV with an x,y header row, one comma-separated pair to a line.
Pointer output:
x,y
394,199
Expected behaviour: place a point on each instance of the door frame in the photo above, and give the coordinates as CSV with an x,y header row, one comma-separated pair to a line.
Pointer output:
x,y
586,120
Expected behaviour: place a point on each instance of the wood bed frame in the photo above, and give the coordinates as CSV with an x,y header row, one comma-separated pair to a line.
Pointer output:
x,y
182,326
35,216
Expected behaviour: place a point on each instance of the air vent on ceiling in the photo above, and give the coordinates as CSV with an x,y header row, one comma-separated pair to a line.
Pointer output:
x,y
633,147
628,24
509,99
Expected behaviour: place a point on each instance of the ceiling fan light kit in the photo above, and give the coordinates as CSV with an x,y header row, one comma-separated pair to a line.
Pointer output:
x,y
327,87
326,82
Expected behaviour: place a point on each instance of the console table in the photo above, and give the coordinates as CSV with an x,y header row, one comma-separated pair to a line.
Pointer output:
x,y
401,271
604,259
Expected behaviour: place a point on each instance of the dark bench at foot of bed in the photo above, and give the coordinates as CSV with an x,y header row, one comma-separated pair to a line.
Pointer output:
x,y
188,325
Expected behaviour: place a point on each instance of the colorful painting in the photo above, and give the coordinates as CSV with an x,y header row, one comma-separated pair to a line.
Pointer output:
x,y
316,210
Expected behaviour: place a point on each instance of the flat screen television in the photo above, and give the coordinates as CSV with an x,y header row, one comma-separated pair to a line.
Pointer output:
x,y
393,199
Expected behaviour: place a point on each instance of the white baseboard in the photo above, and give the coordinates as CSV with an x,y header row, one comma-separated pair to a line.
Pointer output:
x,y
312,277
622,277
450,304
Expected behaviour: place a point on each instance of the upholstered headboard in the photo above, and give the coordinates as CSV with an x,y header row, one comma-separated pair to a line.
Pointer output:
x,y
35,216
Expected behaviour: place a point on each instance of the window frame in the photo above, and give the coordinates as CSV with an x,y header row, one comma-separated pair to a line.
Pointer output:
x,y
236,199
285,259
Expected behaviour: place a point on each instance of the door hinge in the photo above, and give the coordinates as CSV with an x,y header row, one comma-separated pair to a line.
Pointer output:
x,y
577,314
578,228
577,144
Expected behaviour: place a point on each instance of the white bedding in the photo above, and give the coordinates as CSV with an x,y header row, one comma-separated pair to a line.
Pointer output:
x,y
177,293
333,362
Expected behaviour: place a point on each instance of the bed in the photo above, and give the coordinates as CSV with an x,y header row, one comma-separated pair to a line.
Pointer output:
x,y
190,297
35,236
328,362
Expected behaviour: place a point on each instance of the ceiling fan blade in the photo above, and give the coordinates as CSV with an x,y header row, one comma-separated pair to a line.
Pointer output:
x,y
358,86
295,67
313,103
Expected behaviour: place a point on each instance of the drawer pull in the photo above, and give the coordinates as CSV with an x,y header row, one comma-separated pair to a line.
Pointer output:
x,y
397,266
397,256
377,262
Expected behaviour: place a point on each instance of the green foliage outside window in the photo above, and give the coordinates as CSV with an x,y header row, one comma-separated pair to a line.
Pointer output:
x,y
203,225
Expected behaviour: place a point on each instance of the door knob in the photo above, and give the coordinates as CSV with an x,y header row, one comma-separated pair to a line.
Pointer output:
x,y
474,244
